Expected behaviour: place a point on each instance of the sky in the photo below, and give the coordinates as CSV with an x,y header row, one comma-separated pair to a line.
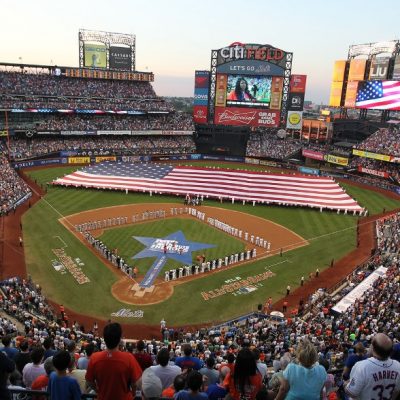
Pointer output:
x,y
175,37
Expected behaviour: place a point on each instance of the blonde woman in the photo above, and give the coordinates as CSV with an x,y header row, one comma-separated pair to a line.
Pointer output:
x,y
305,378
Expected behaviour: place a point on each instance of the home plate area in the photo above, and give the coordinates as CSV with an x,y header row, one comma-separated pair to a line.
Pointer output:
x,y
139,291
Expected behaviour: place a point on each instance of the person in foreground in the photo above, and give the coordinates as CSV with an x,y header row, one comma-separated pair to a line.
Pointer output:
x,y
377,377
112,373
305,378
61,386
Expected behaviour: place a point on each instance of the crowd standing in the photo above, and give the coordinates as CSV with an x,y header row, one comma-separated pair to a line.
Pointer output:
x,y
312,354
267,144
383,141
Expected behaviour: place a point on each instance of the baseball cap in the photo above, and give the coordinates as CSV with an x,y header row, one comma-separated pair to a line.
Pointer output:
x,y
151,384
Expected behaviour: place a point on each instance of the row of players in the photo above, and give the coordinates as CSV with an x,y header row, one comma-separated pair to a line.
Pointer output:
x,y
196,269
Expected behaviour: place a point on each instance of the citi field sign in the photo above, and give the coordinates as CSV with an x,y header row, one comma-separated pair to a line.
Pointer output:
x,y
259,52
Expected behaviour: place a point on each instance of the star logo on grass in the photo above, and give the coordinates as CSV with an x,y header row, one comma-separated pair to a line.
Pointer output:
x,y
173,246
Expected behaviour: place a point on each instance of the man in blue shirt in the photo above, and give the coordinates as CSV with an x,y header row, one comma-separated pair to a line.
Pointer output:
x,y
187,361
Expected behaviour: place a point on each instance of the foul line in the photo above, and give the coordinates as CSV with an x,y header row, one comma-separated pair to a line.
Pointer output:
x,y
65,244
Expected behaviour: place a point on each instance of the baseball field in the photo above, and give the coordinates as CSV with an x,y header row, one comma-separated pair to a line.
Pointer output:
x,y
309,239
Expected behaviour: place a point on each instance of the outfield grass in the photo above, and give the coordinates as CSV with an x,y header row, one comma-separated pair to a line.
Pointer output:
x,y
330,236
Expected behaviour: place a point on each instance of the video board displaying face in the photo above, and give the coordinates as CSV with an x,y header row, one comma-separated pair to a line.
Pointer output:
x,y
95,55
248,91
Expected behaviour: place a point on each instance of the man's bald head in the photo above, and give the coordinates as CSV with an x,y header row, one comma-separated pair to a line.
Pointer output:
x,y
382,346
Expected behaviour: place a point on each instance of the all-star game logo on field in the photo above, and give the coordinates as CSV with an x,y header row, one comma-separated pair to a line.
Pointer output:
x,y
161,245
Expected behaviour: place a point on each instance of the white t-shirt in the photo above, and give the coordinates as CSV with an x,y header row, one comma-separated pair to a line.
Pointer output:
x,y
374,379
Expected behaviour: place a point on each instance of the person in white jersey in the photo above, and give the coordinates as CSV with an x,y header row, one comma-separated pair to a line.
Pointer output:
x,y
377,377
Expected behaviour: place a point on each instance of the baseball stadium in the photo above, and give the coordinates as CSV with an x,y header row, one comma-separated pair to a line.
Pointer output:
x,y
248,222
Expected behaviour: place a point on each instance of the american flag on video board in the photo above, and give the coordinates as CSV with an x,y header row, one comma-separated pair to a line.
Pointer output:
x,y
380,95
214,183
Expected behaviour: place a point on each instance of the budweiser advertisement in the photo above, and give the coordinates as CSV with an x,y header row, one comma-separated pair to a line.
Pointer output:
x,y
250,117
382,174
200,114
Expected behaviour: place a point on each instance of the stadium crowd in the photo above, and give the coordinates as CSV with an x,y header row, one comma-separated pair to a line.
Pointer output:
x,y
269,353
266,144
22,148
383,141
12,188
377,166
26,90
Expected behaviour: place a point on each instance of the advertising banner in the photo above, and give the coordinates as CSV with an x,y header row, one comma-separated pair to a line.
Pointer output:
x,y
78,160
336,94
309,171
368,154
359,290
336,160
276,93
379,68
200,97
338,71
113,132
250,51
269,163
79,133
120,58
251,67
351,94
294,120
250,160
296,101
375,172
105,158
201,79
220,92
95,55
200,114
246,117
315,155
298,83
396,68
357,70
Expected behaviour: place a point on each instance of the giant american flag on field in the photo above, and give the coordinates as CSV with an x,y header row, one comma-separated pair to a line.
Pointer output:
x,y
379,95
217,183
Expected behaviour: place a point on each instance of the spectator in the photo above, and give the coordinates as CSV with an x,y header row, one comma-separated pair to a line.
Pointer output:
x,y
7,366
188,362
112,373
61,386
377,376
217,391
151,385
142,357
23,357
194,384
164,370
245,379
306,379
42,381
178,385
360,354
83,361
9,350
209,372
35,368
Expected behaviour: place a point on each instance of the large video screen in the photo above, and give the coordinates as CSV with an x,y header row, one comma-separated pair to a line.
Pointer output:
x,y
248,91
95,55
379,95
